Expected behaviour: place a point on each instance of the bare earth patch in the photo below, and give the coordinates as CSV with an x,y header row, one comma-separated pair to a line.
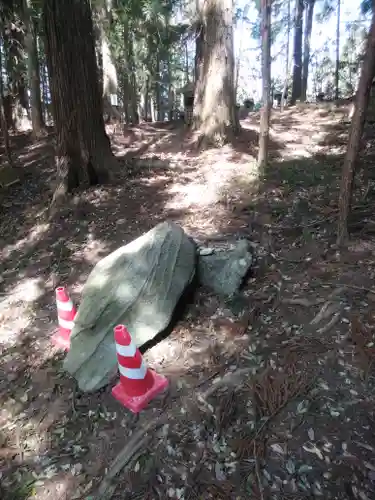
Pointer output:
x,y
271,393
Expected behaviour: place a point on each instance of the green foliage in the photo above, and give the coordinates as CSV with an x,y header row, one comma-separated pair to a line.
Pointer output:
x,y
366,7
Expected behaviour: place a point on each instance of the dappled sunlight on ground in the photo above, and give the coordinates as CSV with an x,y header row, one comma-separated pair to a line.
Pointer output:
x,y
57,442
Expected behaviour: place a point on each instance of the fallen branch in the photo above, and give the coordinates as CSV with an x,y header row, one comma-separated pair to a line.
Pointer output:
x,y
138,440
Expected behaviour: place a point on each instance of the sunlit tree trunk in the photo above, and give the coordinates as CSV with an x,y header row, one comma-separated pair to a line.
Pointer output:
x,y
33,72
297,52
215,115
337,69
355,135
266,83
3,120
306,46
83,153
287,50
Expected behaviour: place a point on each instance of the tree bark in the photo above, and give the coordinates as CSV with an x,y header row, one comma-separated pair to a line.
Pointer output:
x,y
285,88
83,153
306,46
297,53
3,120
215,115
355,135
33,73
266,82
337,50
132,81
157,88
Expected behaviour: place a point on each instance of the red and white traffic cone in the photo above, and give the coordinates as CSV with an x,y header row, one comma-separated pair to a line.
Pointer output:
x,y
138,384
66,313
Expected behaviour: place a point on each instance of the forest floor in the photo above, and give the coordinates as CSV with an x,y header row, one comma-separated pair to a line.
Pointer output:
x,y
271,397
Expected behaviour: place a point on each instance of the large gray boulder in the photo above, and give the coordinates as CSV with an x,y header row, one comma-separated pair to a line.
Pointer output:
x,y
139,286
224,269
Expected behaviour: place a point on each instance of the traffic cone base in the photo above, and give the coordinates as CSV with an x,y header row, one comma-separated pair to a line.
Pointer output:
x,y
138,403
61,339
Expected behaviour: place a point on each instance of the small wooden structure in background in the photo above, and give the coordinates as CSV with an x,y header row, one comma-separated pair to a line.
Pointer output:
x,y
187,93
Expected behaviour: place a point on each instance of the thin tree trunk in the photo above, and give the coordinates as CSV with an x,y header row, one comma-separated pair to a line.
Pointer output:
x,y
147,103
186,63
3,121
266,82
306,46
83,153
132,80
285,88
337,69
355,135
157,87
33,73
215,115
297,52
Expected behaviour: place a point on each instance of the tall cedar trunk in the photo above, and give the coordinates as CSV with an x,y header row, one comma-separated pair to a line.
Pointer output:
x,y
3,120
126,83
337,50
266,84
285,89
146,98
157,88
132,80
199,44
170,92
33,72
110,81
83,152
297,52
306,46
186,63
215,115
355,135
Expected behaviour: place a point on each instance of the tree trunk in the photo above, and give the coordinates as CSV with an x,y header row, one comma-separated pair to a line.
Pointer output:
x,y
266,83
285,88
157,88
306,46
215,114
83,152
110,81
132,80
33,73
355,135
3,120
297,53
187,79
337,50
146,98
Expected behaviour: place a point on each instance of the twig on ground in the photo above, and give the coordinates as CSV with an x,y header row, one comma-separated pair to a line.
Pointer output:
x,y
228,379
301,302
330,324
327,310
257,472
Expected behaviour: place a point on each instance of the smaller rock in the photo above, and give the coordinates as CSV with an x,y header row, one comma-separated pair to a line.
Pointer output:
x,y
224,270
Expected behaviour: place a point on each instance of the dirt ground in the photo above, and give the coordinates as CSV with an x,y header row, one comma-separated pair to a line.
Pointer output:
x,y
271,393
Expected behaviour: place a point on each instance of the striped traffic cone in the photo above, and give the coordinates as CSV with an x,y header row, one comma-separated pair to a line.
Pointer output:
x,y
138,384
66,313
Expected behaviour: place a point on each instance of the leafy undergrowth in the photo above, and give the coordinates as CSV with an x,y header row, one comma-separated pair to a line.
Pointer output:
x,y
271,393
